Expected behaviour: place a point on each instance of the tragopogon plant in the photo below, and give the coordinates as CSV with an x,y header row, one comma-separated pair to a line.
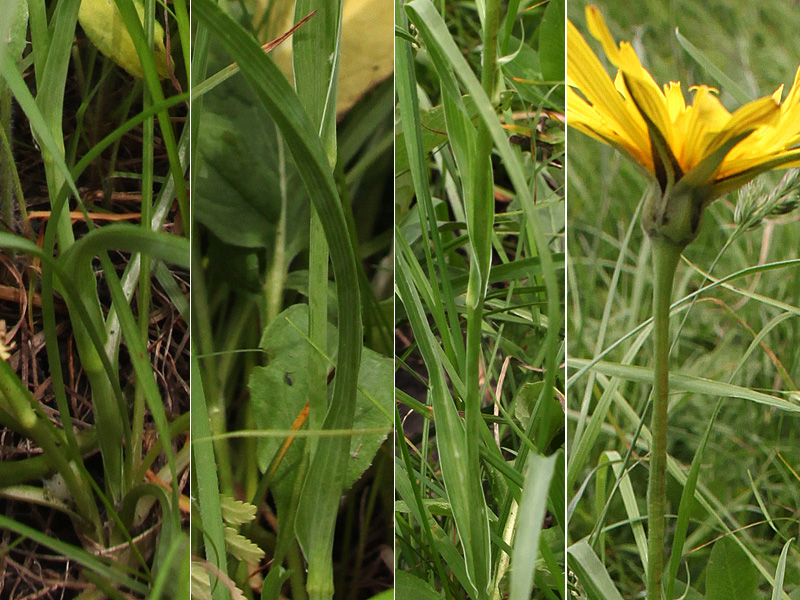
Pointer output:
x,y
691,156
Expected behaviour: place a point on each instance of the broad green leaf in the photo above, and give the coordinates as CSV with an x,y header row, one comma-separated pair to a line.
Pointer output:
x,y
411,587
367,51
15,27
103,23
730,575
240,177
433,133
279,392
525,72
329,463
551,41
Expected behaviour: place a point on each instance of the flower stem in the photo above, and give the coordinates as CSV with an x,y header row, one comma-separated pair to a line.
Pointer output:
x,y
665,263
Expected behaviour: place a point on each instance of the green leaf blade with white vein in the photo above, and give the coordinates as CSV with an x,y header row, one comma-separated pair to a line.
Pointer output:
x,y
463,491
319,500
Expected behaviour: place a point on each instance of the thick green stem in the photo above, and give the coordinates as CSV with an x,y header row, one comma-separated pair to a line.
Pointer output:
x,y
665,262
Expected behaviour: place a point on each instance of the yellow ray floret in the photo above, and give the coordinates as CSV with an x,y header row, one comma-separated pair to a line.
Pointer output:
x,y
636,116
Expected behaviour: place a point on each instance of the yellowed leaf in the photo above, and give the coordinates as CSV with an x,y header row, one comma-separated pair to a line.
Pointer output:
x,y
367,47
103,24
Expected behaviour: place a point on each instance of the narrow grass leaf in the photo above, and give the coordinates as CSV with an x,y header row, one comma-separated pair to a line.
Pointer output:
x,y
77,555
686,505
206,491
780,571
679,304
12,76
469,513
591,573
728,84
409,490
151,77
629,500
530,518
415,151
689,383
273,582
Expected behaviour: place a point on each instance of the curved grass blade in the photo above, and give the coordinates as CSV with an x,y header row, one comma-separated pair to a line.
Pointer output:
x,y
406,83
780,571
436,36
75,554
592,574
134,27
723,281
322,489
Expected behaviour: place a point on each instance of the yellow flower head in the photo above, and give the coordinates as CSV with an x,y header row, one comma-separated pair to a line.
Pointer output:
x,y
700,149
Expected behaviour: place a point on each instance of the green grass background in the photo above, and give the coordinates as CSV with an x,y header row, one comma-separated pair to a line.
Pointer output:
x,y
754,44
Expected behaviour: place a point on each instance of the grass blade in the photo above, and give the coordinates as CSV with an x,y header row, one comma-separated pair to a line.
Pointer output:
x,y
689,383
531,515
205,476
591,573
728,84
450,438
322,489
780,571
